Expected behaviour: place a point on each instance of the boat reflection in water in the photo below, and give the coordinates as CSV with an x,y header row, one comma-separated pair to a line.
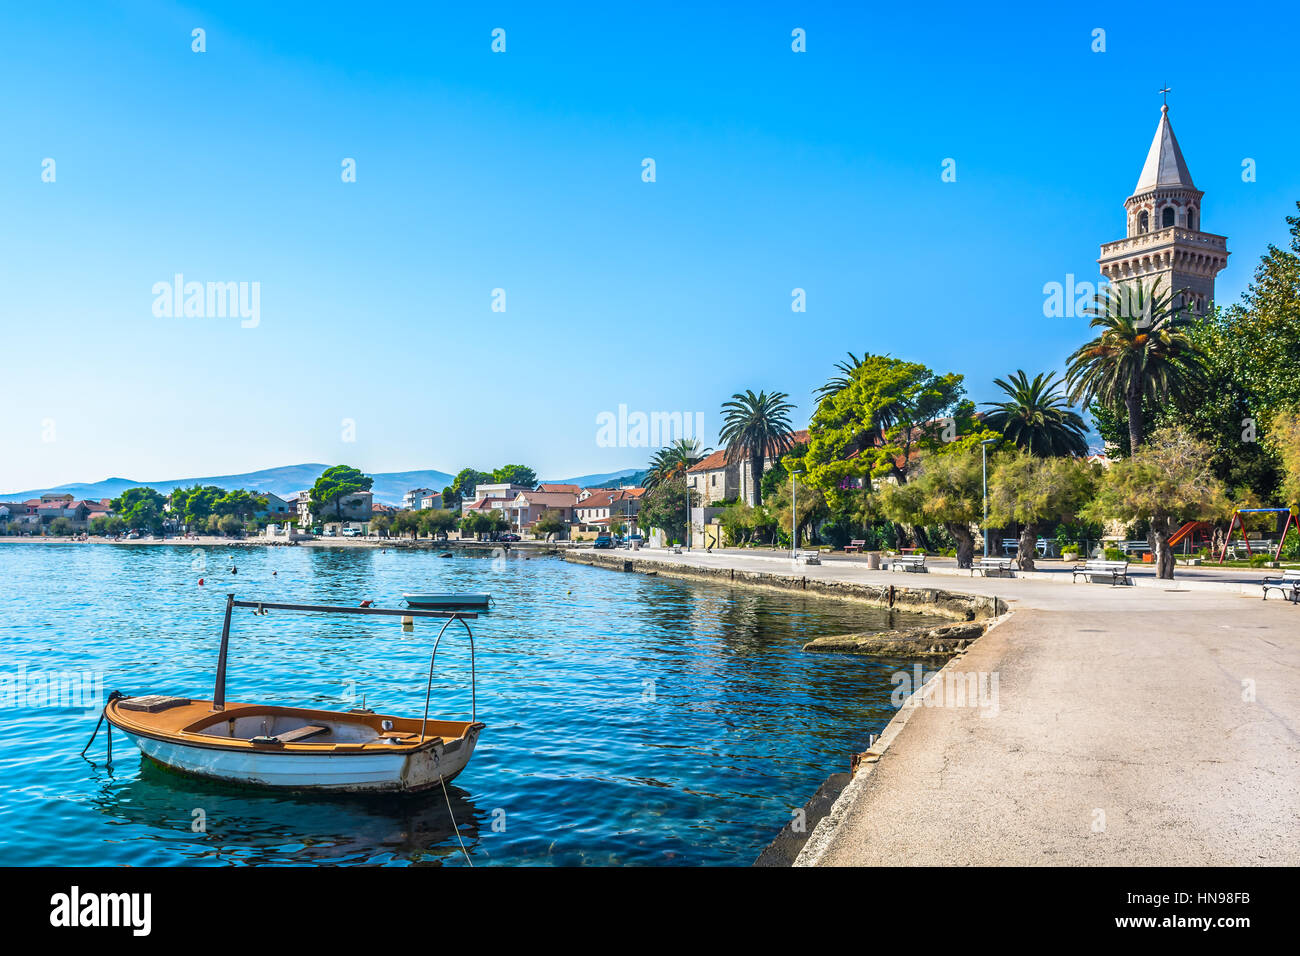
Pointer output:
x,y
217,823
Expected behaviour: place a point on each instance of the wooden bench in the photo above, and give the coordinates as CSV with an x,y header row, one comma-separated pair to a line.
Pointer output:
x,y
1115,570
808,557
301,733
857,544
987,566
907,562
1288,583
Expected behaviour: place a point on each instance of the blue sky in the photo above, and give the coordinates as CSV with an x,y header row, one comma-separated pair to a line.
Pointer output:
x,y
522,171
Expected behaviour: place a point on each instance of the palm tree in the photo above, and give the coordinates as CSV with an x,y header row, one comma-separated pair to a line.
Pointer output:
x,y
840,381
756,427
672,461
1143,351
1036,417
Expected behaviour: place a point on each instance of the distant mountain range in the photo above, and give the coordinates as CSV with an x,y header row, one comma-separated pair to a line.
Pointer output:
x,y
389,486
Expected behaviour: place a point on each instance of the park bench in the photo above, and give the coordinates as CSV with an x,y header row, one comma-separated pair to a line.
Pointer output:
x,y
1011,544
857,544
808,557
907,562
987,566
1287,584
1115,570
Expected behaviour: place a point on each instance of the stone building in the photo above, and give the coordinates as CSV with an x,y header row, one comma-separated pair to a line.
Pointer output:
x,y
1164,239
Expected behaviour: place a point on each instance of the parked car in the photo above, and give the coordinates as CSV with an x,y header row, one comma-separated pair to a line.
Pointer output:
x,y
510,536
603,541
351,532
331,533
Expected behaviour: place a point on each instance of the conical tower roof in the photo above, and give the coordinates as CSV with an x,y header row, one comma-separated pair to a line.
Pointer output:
x,y
1165,166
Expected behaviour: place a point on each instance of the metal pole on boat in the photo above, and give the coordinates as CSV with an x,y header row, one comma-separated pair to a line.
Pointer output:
x,y
219,692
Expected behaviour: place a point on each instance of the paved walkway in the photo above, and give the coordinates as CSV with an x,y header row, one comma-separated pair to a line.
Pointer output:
x,y
1157,724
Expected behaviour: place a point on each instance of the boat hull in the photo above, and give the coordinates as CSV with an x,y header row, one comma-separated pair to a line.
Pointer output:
x,y
330,772
449,602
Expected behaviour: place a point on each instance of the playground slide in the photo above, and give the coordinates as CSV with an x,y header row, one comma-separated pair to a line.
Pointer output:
x,y
1185,530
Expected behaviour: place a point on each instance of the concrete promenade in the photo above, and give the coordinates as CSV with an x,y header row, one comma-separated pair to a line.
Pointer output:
x,y
1155,724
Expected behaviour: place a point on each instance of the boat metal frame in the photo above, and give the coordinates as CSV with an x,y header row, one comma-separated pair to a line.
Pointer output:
x,y
260,607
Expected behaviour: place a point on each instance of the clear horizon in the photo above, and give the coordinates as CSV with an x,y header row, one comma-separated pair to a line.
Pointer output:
x,y
375,342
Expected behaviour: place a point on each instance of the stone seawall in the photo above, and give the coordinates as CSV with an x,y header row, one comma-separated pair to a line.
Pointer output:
x,y
936,601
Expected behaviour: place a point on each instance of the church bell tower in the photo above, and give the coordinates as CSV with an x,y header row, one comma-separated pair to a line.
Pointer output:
x,y
1164,239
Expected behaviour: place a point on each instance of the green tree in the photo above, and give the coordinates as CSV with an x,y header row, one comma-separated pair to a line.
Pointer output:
x,y
947,488
1166,481
754,428
888,411
515,475
140,508
60,527
381,525
1142,351
812,509
1262,340
463,485
664,507
229,524
550,522
406,522
333,486
239,503
1029,491
1036,417
1284,437
437,521
741,522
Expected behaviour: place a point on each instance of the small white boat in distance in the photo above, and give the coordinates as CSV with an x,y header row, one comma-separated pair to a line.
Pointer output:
x,y
301,748
449,602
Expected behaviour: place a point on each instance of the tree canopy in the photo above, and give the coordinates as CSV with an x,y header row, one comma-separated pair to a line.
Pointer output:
x,y
334,485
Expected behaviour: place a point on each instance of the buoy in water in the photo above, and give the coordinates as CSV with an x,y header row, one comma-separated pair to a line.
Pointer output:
x,y
365,603
408,623
200,582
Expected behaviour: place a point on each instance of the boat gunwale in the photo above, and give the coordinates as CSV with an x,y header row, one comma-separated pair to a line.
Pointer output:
x,y
188,738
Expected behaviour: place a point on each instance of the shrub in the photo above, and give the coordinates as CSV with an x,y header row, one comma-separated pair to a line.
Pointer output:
x,y
1114,554
1259,560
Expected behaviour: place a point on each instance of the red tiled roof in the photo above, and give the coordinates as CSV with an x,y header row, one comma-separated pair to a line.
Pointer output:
x,y
719,458
546,486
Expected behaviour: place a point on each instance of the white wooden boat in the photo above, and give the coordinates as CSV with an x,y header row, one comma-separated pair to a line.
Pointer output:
x,y
299,748
448,602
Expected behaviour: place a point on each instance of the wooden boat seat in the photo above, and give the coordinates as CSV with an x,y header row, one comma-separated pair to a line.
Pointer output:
x,y
301,733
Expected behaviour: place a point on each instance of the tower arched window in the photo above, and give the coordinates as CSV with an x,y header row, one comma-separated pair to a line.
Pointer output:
x,y
1167,217
1191,219
1144,223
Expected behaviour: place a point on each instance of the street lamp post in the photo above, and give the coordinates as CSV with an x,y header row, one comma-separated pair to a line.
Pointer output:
x,y
984,461
794,514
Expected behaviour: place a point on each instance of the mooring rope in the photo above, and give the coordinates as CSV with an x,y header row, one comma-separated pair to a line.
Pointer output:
x,y
115,695
453,821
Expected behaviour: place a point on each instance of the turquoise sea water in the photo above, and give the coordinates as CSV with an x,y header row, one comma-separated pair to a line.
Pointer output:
x,y
631,719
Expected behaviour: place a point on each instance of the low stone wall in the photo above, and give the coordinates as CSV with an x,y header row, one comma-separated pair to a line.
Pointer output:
x,y
936,601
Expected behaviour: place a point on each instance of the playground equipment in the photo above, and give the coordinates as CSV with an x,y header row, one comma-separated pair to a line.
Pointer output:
x,y
1236,517
1190,532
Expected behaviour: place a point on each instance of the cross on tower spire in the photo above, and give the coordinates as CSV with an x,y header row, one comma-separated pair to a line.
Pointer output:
x,y
1165,94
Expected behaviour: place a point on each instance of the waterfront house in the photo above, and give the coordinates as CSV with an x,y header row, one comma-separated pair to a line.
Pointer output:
x,y
411,500
527,506
432,499
492,492
276,507
551,486
603,508
358,506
